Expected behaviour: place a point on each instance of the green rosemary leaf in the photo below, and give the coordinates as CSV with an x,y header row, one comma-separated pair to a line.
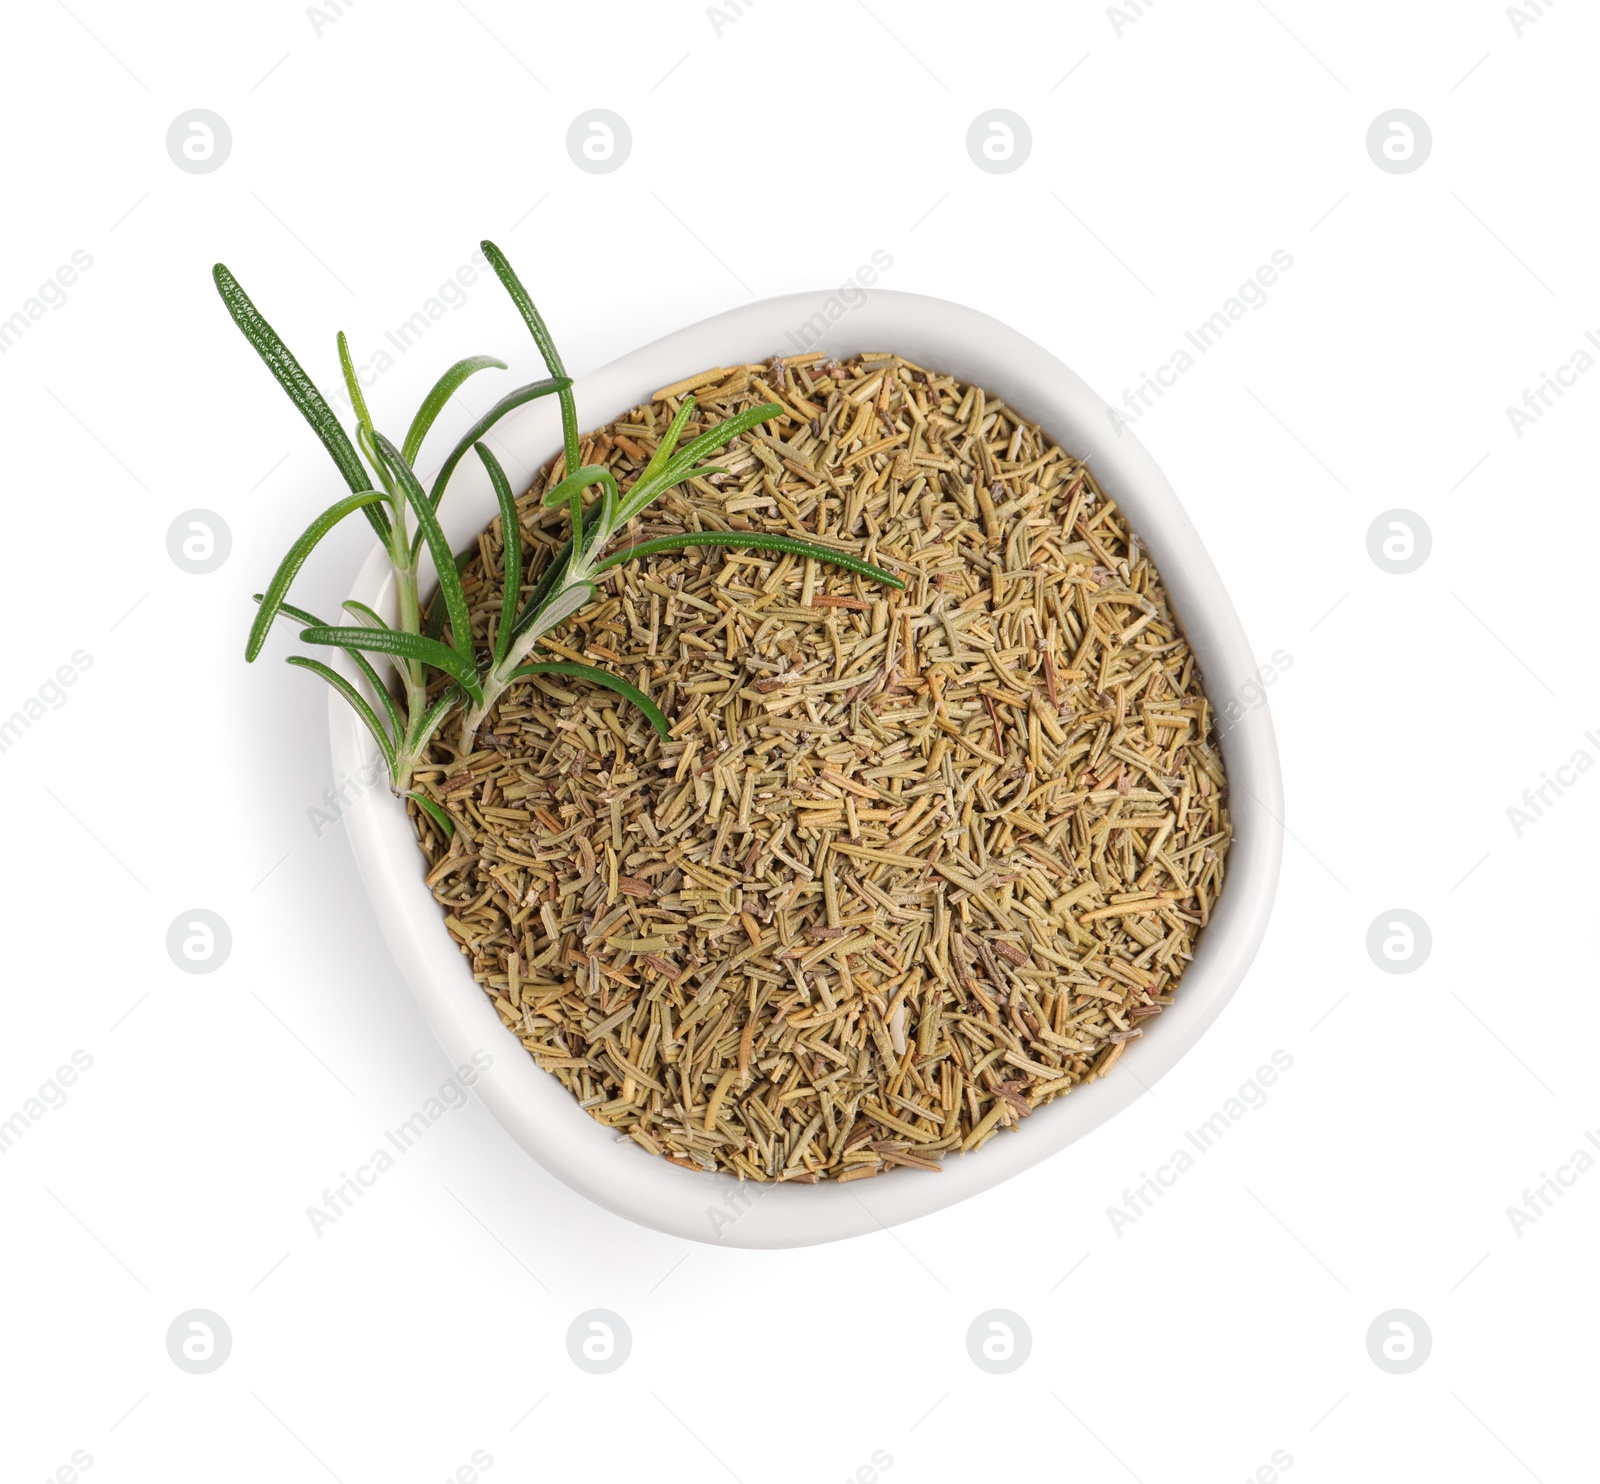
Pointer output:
x,y
541,338
435,813
357,701
351,384
301,390
669,441
408,646
369,451
651,711
543,587
557,610
575,521
278,588
681,466
511,534
289,611
433,404
373,679
724,432
396,723
443,558
681,476
434,627
560,494
757,541
508,403
525,307
427,724
361,611
379,689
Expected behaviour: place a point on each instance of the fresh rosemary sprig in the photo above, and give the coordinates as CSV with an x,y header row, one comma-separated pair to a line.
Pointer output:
x,y
388,504
393,496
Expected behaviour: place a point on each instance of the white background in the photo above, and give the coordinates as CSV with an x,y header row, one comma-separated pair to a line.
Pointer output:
x,y
370,152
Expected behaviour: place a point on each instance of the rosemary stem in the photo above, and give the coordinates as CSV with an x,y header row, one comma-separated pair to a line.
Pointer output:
x,y
407,754
497,678
404,563
411,623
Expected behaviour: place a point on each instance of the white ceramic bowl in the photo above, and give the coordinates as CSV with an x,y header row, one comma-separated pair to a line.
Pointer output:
x,y
532,1105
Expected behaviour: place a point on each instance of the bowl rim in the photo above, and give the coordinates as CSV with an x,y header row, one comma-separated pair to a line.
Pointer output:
x,y
533,1106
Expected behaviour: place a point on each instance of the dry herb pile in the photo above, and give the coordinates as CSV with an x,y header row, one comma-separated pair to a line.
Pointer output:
x,y
913,863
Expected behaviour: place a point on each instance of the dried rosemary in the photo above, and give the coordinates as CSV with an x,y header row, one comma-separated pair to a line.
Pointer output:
x,y
909,864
